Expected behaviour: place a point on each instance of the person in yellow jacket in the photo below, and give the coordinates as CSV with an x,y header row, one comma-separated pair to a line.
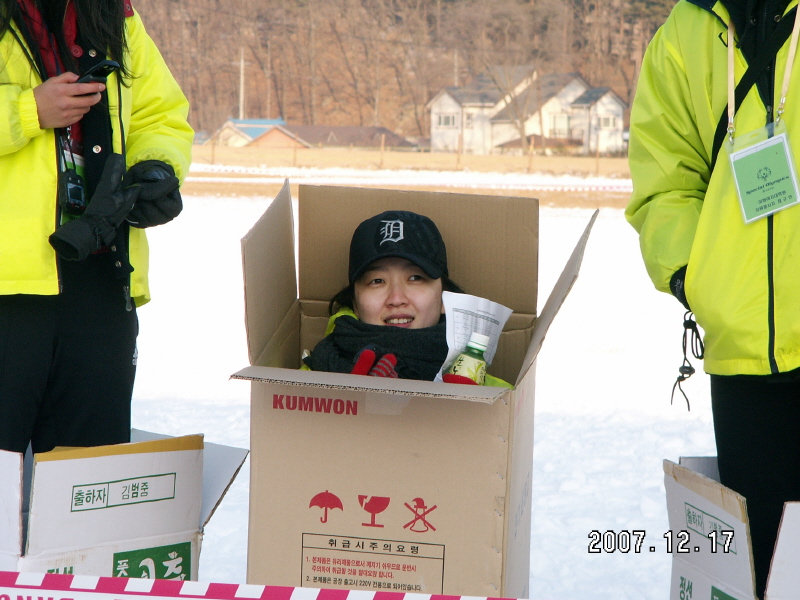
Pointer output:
x,y
86,167
718,228
388,321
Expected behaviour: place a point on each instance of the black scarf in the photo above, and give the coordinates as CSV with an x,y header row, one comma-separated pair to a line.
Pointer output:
x,y
420,352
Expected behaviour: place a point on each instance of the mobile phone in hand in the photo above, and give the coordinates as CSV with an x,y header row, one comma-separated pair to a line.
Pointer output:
x,y
99,72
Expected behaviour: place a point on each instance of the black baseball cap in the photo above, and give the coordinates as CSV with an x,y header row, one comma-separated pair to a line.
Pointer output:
x,y
398,233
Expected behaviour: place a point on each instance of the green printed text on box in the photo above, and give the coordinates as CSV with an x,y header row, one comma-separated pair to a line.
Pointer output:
x,y
704,523
149,488
163,562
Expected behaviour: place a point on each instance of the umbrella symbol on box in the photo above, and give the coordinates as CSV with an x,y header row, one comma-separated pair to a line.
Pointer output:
x,y
326,500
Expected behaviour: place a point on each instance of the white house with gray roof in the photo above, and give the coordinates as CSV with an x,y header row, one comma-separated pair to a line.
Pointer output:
x,y
486,115
466,112
598,116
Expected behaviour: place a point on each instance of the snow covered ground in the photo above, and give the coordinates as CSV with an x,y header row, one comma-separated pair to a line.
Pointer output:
x,y
603,417
388,178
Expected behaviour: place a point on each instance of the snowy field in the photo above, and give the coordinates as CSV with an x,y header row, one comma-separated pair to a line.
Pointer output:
x,y
389,178
603,417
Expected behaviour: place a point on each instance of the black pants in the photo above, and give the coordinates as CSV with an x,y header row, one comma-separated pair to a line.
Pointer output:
x,y
67,362
757,428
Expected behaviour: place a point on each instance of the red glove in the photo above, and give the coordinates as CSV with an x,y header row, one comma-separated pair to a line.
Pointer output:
x,y
385,367
367,365
364,361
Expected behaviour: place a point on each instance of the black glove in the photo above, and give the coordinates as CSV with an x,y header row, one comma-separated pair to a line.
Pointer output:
x,y
677,288
97,227
159,200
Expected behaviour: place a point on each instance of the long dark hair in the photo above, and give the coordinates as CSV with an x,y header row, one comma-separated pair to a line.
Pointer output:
x,y
101,23
346,297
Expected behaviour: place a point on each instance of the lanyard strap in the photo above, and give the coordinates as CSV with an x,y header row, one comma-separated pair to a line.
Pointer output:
x,y
789,63
786,74
731,82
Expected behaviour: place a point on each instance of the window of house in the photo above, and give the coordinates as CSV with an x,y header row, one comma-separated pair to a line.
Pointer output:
x,y
560,126
447,121
608,122
468,121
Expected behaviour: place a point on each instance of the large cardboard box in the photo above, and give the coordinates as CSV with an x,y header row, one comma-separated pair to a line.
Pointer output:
x,y
710,538
378,484
127,510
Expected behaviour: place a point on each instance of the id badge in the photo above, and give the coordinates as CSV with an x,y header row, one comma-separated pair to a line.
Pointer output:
x,y
764,171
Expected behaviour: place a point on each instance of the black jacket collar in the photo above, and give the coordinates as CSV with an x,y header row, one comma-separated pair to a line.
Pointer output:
x,y
743,11
754,21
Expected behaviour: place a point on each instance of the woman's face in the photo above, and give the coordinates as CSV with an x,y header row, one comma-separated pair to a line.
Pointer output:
x,y
394,291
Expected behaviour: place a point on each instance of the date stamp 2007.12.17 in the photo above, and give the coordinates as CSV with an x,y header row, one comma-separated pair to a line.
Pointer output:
x,y
673,542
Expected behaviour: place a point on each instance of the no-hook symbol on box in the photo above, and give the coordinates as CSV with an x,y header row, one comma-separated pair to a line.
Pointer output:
x,y
419,523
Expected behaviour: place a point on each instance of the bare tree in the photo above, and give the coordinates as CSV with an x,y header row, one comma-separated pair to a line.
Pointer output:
x,y
356,62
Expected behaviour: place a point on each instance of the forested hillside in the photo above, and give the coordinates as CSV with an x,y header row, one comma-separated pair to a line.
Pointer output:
x,y
378,62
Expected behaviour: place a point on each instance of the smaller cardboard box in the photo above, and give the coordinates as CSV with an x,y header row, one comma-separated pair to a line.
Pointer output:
x,y
380,484
127,510
710,538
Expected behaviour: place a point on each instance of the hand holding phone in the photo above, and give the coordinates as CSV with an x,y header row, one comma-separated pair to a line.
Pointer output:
x,y
99,72
60,103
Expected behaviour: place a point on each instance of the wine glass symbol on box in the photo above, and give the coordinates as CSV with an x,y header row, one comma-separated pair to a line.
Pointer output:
x,y
373,505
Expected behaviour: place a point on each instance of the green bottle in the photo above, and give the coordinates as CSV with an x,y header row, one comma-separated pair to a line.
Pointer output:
x,y
471,362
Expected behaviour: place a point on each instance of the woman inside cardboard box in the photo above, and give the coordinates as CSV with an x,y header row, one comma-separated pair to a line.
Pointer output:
x,y
389,320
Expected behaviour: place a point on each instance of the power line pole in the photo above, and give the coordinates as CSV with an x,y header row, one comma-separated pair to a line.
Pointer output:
x,y
269,80
241,83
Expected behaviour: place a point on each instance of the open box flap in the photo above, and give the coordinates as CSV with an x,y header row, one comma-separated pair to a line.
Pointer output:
x,y
221,465
705,465
268,263
94,496
698,506
10,505
556,299
481,234
344,381
149,446
784,576
713,491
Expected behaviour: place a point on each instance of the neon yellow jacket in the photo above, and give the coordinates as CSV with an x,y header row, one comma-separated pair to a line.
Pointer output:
x,y
154,112
490,380
742,281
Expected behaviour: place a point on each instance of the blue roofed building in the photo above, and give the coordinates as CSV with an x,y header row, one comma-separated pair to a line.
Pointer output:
x,y
241,132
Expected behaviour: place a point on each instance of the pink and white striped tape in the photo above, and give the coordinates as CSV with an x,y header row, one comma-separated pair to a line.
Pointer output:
x,y
39,586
